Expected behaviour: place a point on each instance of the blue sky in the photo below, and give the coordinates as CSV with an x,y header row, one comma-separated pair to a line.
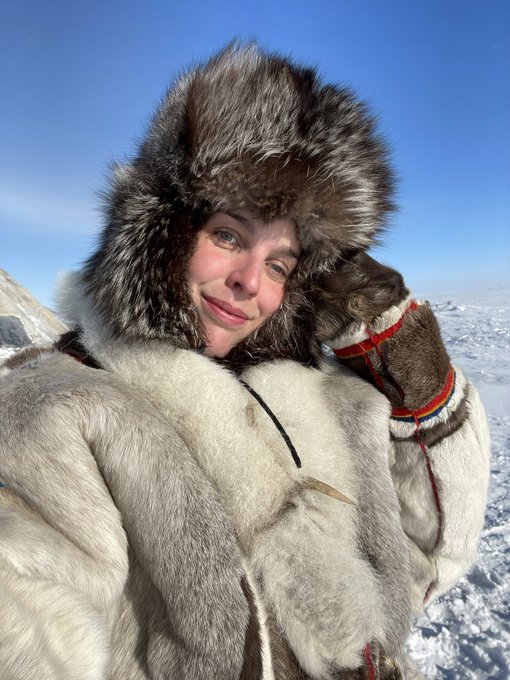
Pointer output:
x,y
79,81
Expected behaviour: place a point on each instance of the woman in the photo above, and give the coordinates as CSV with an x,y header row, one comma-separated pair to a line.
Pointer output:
x,y
190,490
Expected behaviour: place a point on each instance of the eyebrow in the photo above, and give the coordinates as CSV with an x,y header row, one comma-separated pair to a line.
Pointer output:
x,y
287,252
247,222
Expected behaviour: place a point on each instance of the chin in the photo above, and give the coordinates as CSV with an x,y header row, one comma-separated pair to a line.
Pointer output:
x,y
220,347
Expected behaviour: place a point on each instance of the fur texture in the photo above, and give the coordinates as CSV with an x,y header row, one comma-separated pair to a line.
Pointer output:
x,y
244,130
415,358
331,575
458,449
196,394
358,291
411,367
57,541
329,590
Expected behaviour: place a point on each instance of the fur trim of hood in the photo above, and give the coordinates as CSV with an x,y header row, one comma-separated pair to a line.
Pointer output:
x,y
246,130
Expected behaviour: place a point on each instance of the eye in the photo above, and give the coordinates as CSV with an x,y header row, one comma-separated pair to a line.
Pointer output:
x,y
223,237
278,272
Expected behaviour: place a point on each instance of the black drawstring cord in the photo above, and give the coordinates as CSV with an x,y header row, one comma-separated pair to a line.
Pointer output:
x,y
275,420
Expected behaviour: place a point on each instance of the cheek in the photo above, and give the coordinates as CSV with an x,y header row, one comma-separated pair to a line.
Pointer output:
x,y
204,266
271,300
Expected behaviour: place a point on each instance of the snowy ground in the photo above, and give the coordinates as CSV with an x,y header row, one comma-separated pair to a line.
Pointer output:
x,y
465,635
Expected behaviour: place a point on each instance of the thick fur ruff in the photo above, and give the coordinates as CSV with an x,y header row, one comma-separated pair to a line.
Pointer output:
x,y
249,131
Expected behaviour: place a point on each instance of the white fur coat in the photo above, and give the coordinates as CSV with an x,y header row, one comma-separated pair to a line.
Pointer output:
x,y
139,497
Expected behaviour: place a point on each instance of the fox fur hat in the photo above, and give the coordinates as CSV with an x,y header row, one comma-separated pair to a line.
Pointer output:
x,y
246,130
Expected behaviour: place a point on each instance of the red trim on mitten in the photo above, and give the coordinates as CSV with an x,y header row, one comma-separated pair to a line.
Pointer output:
x,y
374,339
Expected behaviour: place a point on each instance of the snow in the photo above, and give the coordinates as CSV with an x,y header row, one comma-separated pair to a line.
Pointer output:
x,y
39,323
465,635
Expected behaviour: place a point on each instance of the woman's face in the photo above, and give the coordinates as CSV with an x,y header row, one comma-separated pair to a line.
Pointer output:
x,y
237,275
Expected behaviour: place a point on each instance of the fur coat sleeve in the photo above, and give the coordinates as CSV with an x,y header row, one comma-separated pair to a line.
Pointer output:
x,y
440,444
441,479
77,452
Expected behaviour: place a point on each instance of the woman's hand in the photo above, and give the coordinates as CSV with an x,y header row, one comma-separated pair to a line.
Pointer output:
x,y
358,291
365,315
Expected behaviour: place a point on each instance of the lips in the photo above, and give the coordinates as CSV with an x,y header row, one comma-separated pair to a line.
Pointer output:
x,y
224,312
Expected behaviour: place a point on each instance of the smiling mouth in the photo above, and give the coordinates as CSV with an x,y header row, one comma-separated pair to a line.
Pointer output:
x,y
232,316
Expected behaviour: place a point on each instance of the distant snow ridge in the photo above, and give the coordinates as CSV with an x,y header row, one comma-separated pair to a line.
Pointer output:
x,y
446,307
465,635
23,320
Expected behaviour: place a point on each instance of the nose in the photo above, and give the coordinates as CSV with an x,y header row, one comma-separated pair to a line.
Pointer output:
x,y
246,275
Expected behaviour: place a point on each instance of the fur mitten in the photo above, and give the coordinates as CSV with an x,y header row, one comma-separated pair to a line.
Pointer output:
x,y
383,335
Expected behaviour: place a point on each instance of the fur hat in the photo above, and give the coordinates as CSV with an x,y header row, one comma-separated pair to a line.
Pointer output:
x,y
245,130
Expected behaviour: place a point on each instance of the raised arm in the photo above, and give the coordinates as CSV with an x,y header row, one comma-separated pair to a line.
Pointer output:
x,y
438,427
